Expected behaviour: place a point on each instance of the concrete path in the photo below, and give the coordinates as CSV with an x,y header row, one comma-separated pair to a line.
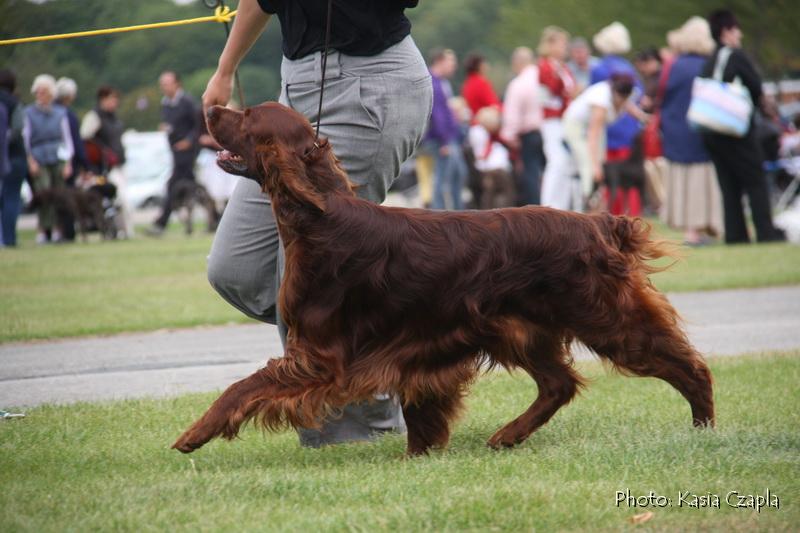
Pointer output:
x,y
165,363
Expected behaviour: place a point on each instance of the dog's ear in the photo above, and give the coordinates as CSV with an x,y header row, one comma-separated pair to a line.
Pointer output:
x,y
286,170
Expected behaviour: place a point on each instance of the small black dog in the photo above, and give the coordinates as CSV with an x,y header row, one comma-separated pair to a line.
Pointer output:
x,y
497,190
85,206
494,189
186,194
626,175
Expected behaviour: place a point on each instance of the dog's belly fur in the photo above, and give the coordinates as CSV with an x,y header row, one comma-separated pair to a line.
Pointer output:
x,y
439,313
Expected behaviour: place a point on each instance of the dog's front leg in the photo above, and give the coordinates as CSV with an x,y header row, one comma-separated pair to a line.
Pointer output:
x,y
428,423
227,413
287,392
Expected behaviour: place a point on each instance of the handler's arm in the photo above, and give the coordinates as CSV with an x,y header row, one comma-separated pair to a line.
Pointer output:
x,y
248,25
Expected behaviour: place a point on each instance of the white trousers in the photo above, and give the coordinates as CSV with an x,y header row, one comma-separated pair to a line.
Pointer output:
x,y
557,180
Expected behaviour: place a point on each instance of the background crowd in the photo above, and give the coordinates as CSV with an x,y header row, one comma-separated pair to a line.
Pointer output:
x,y
582,132
59,155
76,167
572,130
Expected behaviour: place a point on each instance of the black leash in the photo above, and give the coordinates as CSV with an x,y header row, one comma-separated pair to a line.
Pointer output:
x,y
213,4
324,66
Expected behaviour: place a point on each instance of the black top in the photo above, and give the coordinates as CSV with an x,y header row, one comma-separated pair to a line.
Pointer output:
x,y
739,65
183,119
358,27
110,133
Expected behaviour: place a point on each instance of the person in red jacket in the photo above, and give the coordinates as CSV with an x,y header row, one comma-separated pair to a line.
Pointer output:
x,y
557,88
477,89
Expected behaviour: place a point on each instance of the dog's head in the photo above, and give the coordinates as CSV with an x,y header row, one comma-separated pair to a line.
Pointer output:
x,y
275,146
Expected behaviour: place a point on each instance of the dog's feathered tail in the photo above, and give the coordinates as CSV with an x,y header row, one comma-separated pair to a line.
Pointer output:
x,y
632,237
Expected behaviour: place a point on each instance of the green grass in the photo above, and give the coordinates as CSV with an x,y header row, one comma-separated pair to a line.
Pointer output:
x,y
147,284
108,287
732,267
108,467
719,266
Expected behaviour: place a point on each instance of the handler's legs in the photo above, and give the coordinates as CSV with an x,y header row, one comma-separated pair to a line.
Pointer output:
x,y
242,265
556,180
531,153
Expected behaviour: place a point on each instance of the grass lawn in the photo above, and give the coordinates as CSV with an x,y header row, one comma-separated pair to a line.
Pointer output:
x,y
108,466
147,284
108,287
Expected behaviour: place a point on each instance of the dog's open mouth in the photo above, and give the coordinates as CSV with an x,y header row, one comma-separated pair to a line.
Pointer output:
x,y
231,162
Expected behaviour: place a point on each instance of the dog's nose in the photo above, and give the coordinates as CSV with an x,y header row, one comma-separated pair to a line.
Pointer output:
x,y
211,112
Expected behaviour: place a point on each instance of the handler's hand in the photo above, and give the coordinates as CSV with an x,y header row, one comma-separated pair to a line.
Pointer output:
x,y
182,145
33,166
218,90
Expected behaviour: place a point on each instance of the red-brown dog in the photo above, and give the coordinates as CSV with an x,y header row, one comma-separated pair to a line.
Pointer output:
x,y
415,302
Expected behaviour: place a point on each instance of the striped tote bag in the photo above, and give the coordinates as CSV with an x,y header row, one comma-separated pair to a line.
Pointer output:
x,y
719,106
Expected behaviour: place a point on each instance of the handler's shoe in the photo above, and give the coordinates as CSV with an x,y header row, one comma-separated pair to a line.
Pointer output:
x,y
358,422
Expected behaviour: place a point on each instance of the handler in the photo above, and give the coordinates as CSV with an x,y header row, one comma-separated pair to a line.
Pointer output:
x,y
377,101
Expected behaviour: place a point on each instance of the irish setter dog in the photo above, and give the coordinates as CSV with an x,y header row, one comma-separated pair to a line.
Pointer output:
x,y
417,302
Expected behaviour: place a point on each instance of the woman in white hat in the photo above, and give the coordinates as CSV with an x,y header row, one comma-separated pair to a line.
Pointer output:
x,y
613,42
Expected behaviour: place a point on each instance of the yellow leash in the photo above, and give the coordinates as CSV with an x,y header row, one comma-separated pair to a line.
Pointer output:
x,y
221,14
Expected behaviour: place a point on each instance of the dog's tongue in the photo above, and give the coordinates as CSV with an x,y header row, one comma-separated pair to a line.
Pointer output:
x,y
224,155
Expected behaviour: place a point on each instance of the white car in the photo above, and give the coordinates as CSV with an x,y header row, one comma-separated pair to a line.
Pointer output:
x,y
148,166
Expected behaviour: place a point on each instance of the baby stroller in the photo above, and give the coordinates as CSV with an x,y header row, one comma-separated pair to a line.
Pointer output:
x,y
784,174
787,208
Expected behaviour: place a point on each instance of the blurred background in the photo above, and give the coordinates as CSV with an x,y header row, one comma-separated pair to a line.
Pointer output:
x,y
132,61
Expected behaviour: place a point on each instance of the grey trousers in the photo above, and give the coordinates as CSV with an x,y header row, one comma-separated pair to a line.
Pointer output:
x,y
374,113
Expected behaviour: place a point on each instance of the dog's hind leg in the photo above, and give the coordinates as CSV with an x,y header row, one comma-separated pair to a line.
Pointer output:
x,y
649,342
545,358
99,222
205,199
83,228
189,216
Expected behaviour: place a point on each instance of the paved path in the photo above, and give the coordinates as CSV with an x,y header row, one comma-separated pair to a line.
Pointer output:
x,y
165,363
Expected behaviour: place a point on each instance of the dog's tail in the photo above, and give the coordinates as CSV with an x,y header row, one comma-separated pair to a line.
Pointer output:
x,y
631,236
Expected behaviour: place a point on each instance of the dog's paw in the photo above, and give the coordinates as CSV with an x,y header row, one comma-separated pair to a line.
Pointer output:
x,y
183,446
189,442
501,440
416,452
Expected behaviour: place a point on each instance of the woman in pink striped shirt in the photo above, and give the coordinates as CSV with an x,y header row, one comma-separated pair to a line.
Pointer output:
x,y
522,122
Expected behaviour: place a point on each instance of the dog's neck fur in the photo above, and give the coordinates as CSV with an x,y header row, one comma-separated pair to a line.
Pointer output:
x,y
303,197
